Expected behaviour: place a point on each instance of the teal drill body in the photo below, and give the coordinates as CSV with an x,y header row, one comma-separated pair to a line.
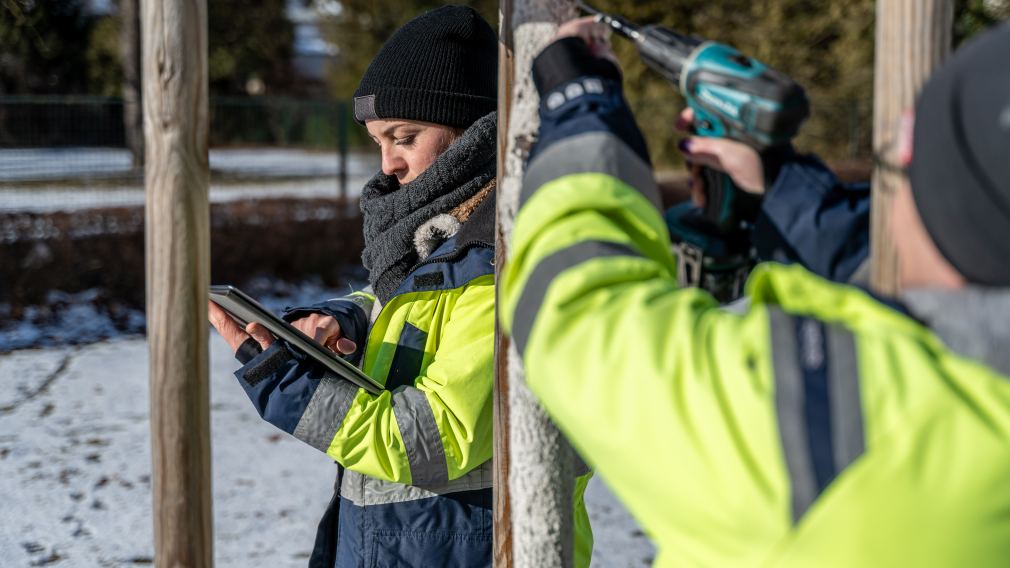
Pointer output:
x,y
733,96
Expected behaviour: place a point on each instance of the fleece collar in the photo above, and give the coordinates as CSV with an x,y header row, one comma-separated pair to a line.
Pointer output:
x,y
393,213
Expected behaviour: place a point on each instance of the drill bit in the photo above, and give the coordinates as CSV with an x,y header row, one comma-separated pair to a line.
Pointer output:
x,y
618,24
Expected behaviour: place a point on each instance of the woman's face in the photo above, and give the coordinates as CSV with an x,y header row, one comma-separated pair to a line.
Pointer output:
x,y
409,146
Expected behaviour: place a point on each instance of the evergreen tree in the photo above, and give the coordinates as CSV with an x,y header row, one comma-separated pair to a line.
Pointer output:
x,y
53,46
826,46
41,46
248,40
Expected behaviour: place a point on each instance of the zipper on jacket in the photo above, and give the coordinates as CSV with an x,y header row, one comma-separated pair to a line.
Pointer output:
x,y
430,260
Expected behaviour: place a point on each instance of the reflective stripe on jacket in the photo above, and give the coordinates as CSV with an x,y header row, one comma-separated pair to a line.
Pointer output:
x,y
415,458
819,428
415,484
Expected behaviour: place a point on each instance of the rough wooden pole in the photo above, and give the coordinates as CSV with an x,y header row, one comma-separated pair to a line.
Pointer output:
x,y
177,217
913,38
502,505
541,464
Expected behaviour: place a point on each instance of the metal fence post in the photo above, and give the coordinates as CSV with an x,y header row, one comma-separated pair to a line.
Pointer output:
x,y
342,147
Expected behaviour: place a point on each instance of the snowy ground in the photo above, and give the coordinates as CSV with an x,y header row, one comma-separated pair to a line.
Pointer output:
x,y
76,455
90,316
74,431
245,174
75,468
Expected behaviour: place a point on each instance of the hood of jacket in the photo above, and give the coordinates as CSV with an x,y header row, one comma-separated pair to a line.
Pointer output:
x,y
974,321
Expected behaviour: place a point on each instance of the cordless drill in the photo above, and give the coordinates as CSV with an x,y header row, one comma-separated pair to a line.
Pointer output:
x,y
733,96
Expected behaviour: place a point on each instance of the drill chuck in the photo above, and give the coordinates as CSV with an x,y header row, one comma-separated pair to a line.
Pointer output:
x,y
666,51
732,95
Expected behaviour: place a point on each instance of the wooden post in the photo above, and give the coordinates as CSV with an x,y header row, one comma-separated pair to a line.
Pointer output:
x,y
913,38
502,507
536,458
177,217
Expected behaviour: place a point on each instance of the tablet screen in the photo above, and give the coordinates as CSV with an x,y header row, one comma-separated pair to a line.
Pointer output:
x,y
245,310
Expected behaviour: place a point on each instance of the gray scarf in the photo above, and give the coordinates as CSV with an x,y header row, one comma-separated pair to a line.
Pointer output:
x,y
392,213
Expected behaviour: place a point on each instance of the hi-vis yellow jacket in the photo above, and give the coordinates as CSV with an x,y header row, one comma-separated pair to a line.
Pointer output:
x,y
821,427
416,477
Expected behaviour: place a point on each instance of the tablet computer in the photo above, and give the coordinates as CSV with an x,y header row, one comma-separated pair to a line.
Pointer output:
x,y
246,310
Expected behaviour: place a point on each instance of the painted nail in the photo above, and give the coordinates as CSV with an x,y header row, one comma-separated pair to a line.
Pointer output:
x,y
685,145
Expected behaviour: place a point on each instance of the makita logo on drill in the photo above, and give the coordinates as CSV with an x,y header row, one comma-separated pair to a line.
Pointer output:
x,y
729,108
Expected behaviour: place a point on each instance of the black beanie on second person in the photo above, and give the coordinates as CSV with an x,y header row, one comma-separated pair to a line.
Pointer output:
x,y
440,67
960,170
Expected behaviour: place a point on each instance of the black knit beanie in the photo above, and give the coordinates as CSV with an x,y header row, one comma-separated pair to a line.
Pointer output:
x,y
440,67
960,170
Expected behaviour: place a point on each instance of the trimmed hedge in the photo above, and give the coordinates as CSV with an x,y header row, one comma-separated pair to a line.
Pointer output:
x,y
288,239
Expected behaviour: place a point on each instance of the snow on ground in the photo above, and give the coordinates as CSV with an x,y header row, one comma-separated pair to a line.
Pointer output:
x,y
75,452
68,319
75,468
90,316
618,542
74,431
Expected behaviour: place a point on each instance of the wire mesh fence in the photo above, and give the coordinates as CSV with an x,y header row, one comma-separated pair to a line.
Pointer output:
x,y
284,173
70,152
60,152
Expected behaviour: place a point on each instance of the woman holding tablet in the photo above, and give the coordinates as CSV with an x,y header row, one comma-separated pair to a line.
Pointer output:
x,y
415,460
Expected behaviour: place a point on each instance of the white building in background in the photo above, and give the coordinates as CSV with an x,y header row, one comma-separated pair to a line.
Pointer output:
x,y
312,53
99,7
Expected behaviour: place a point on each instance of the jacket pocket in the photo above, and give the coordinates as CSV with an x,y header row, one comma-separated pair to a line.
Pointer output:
x,y
452,529
407,359
397,549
